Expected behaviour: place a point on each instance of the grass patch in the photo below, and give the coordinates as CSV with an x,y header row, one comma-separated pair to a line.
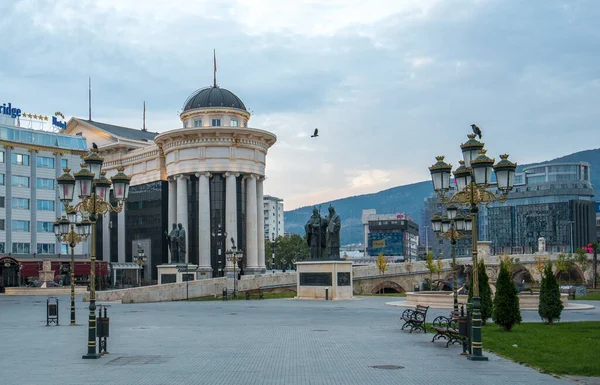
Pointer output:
x,y
565,348
242,296
382,295
589,297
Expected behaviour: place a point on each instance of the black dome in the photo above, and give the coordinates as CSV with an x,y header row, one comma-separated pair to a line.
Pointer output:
x,y
213,97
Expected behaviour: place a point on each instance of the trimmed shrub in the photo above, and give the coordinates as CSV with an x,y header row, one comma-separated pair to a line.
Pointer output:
x,y
506,311
550,306
485,292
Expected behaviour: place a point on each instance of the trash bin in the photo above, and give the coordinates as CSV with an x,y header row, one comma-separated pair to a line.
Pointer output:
x,y
224,294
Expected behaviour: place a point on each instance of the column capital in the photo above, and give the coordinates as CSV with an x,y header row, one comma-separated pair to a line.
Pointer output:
x,y
250,176
182,176
260,178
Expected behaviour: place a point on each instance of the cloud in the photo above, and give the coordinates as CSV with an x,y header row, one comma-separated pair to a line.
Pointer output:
x,y
390,85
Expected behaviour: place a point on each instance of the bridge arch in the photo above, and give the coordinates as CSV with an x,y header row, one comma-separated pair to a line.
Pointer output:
x,y
573,275
387,287
521,274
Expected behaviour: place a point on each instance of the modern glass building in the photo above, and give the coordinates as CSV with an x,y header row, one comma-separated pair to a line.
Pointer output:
x,y
390,234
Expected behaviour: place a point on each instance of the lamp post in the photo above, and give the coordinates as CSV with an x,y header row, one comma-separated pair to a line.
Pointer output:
x,y
93,191
219,235
452,227
72,232
140,260
473,178
234,256
273,252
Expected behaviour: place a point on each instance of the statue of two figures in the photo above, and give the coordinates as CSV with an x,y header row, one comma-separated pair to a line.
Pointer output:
x,y
323,235
176,240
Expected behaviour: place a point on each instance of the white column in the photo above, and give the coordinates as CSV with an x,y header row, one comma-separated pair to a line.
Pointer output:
x,y
204,221
106,237
260,224
182,209
121,235
251,252
172,209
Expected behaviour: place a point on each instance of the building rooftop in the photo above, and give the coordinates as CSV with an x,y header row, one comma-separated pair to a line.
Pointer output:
x,y
213,97
124,132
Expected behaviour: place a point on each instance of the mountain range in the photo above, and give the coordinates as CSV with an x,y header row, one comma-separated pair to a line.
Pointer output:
x,y
404,199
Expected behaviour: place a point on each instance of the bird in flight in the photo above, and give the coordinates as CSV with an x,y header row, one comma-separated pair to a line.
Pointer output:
x,y
315,134
476,130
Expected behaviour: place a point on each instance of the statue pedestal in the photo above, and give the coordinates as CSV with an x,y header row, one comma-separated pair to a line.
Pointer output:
x,y
46,274
321,279
177,273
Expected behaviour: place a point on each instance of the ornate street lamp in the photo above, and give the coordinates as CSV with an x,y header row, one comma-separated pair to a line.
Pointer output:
x,y
234,256
140,260
473,178
91,186
451,228
220,235
70,232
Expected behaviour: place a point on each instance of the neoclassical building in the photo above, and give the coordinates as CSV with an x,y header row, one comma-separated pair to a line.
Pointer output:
x,y
207,175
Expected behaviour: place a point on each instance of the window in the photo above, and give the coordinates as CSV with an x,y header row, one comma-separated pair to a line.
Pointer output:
x,y
45,162
22,226
1,156
21,159
198,123
64,163
45,184
2,225
216,122
45,227
20,248
1,179
234,123
20,203
45,205
45,248
2,247
20,181
1,202
64,248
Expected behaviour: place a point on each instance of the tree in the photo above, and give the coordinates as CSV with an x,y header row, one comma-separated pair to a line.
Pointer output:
x,y
439,266
563,266
540,264
506,311
550,306
289,250
430,265
382,264
485,292
581,259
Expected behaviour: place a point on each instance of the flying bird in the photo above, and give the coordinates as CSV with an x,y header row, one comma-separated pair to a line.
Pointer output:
x,y
94,146
476,130
316,133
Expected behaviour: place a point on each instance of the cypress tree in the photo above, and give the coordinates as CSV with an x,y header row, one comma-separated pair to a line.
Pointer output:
x,y
506,311
485,292
550,306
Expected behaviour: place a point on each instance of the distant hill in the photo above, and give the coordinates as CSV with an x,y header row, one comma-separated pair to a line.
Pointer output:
x,y
407,198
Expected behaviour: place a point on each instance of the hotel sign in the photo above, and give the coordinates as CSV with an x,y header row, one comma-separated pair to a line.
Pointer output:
x,y
10,111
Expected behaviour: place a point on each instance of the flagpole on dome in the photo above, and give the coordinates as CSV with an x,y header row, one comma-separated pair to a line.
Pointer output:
x,y
215,67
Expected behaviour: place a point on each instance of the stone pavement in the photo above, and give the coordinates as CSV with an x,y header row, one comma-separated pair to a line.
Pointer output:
x,y
240,342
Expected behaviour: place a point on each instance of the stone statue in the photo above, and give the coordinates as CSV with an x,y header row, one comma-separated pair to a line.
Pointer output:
x,y
334,224
172,239
181,243
315,234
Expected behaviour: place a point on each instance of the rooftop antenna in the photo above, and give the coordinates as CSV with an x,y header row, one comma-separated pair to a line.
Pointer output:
x,y
144,126
90,99
215,67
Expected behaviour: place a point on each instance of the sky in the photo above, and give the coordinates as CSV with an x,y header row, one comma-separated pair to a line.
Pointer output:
x,y
389,84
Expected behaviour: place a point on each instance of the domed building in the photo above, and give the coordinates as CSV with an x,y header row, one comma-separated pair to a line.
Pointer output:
x,y
207,175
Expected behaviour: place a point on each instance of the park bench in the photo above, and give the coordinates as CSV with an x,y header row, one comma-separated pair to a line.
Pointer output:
x,y
415,318
447,328
258,291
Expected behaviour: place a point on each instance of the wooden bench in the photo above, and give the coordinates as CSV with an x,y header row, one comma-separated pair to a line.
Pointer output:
x,y
415,318
447,328
258,291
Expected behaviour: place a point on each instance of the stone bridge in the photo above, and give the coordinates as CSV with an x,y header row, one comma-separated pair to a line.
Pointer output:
x,y
399,277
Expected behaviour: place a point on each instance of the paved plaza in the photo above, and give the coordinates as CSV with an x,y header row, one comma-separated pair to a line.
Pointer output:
x,y
282,341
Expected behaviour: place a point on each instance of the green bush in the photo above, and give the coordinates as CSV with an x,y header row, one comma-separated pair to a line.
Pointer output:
x,y
550,306
506,311
485,293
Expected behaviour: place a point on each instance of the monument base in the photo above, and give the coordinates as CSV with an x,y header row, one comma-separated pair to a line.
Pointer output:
x,y
330,280
177,273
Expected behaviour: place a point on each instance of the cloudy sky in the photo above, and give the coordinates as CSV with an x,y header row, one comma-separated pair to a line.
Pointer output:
x,y
389,84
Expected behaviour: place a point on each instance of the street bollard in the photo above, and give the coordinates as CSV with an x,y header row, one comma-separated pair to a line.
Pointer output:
x,y
224,294
103,329
463,329
326,294
52,311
